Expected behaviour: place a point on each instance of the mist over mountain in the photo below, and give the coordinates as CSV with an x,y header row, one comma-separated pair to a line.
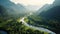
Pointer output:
x,y
49,6
44,8
32,7
56,3
12,8
50,11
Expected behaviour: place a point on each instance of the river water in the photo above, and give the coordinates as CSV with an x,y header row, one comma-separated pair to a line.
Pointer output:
x,y
2,32
34,27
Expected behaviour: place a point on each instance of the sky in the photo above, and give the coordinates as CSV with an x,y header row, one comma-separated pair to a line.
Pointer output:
x,y
37,3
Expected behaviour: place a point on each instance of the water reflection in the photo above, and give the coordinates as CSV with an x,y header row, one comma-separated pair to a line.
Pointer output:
x,y
3,32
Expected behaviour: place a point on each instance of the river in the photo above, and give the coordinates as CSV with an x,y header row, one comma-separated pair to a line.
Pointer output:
x,y
34,27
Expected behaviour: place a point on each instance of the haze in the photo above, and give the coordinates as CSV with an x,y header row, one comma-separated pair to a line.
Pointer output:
x,y
37,3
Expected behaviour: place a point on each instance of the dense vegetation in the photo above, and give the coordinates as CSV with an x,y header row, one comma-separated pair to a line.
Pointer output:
x,y
14,27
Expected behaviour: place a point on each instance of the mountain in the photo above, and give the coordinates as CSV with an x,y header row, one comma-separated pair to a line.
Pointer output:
x,y
53,13
56,3
12,8
45,7
3,11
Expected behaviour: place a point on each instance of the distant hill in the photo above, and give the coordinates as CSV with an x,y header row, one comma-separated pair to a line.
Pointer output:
x,y
56,3
44,8
12,8
53,13
3,11
48,6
